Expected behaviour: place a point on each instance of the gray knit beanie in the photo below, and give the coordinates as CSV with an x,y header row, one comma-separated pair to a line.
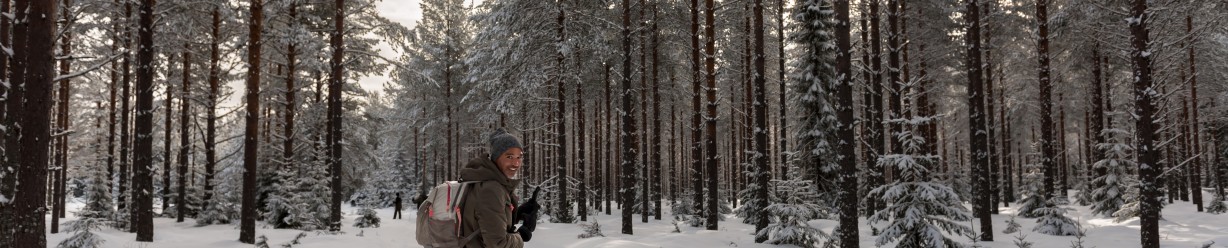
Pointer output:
x,y
500,142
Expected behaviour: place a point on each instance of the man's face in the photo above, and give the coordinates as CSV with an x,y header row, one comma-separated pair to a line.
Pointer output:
x,y
510,161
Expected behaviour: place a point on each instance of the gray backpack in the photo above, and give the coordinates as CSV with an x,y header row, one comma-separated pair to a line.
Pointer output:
x,y
439,216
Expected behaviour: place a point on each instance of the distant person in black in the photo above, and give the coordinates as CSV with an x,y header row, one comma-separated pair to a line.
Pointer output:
x,y
396,214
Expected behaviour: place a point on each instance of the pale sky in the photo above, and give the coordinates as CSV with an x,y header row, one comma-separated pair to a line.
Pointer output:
x,y
406,12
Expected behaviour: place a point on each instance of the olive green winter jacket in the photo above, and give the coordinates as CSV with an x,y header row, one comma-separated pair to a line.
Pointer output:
x,y
488,206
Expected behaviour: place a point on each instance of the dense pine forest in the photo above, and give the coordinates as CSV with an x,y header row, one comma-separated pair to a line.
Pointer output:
x,y
808,123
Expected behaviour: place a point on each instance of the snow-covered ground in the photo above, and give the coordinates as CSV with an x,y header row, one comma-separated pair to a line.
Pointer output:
x,y
1182,227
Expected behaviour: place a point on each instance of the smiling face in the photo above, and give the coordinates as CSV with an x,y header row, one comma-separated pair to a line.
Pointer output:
x,y
510,161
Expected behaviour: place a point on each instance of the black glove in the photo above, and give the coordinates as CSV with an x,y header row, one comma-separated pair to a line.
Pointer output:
x,y
526,230
530,207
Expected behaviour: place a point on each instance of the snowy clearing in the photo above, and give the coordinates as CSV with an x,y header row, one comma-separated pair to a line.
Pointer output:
x,y
1182,227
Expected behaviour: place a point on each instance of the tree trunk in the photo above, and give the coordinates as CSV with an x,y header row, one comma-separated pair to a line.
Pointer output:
x,y
34,62
1046,104
1196,164
185,141
893,77
1145,126
168,134
288,160
562,202
696,135
656,118
710,127
782,131
251,138
125,133
142,174
334,114
582,162
628,132
606,175
211,112
877,129
761,128
61,119
994,153
977,121
847,230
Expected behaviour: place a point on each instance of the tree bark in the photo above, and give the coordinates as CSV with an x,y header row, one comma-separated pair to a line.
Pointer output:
x,y
1145,126
710,119
211,112
562,202
582,162
251,138
696,133
763,175
628,132
142,173
1196,166
288,159
167,135
847,231
977,121
656,118
125,133
34,60
185,104
878,175
336,80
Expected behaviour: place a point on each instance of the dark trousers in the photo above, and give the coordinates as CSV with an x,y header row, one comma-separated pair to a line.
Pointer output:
x,y
396,214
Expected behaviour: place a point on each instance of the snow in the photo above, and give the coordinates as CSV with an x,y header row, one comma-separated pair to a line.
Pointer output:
x,y
1182,226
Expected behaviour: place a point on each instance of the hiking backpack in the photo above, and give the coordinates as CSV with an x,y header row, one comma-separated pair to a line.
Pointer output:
x,y
439,216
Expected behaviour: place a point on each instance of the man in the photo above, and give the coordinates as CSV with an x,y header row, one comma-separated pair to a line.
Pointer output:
x,y
488,209
396,204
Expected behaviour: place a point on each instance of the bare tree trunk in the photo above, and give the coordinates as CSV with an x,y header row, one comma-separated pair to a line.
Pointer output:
x,y
61,119
847,230
251,138
1046,104
185,141
1145,126
878,175
977,121
606,173
656,118
562,202
34,60
761,127
1196,179
168,134
211,112
125,133
142,174
710,127
288,160
696,135
334,114
782,131
627,172
582,162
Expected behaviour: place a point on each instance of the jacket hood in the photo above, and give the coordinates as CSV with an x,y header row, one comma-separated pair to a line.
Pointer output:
x,y
483,169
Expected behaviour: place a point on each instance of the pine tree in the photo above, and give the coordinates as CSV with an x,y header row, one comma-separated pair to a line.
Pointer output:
x,y
1033,196
919,211
1116,178
1217,205
96,213
797,203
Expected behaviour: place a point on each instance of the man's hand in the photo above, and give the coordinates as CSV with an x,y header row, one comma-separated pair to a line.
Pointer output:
x,y
527,210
